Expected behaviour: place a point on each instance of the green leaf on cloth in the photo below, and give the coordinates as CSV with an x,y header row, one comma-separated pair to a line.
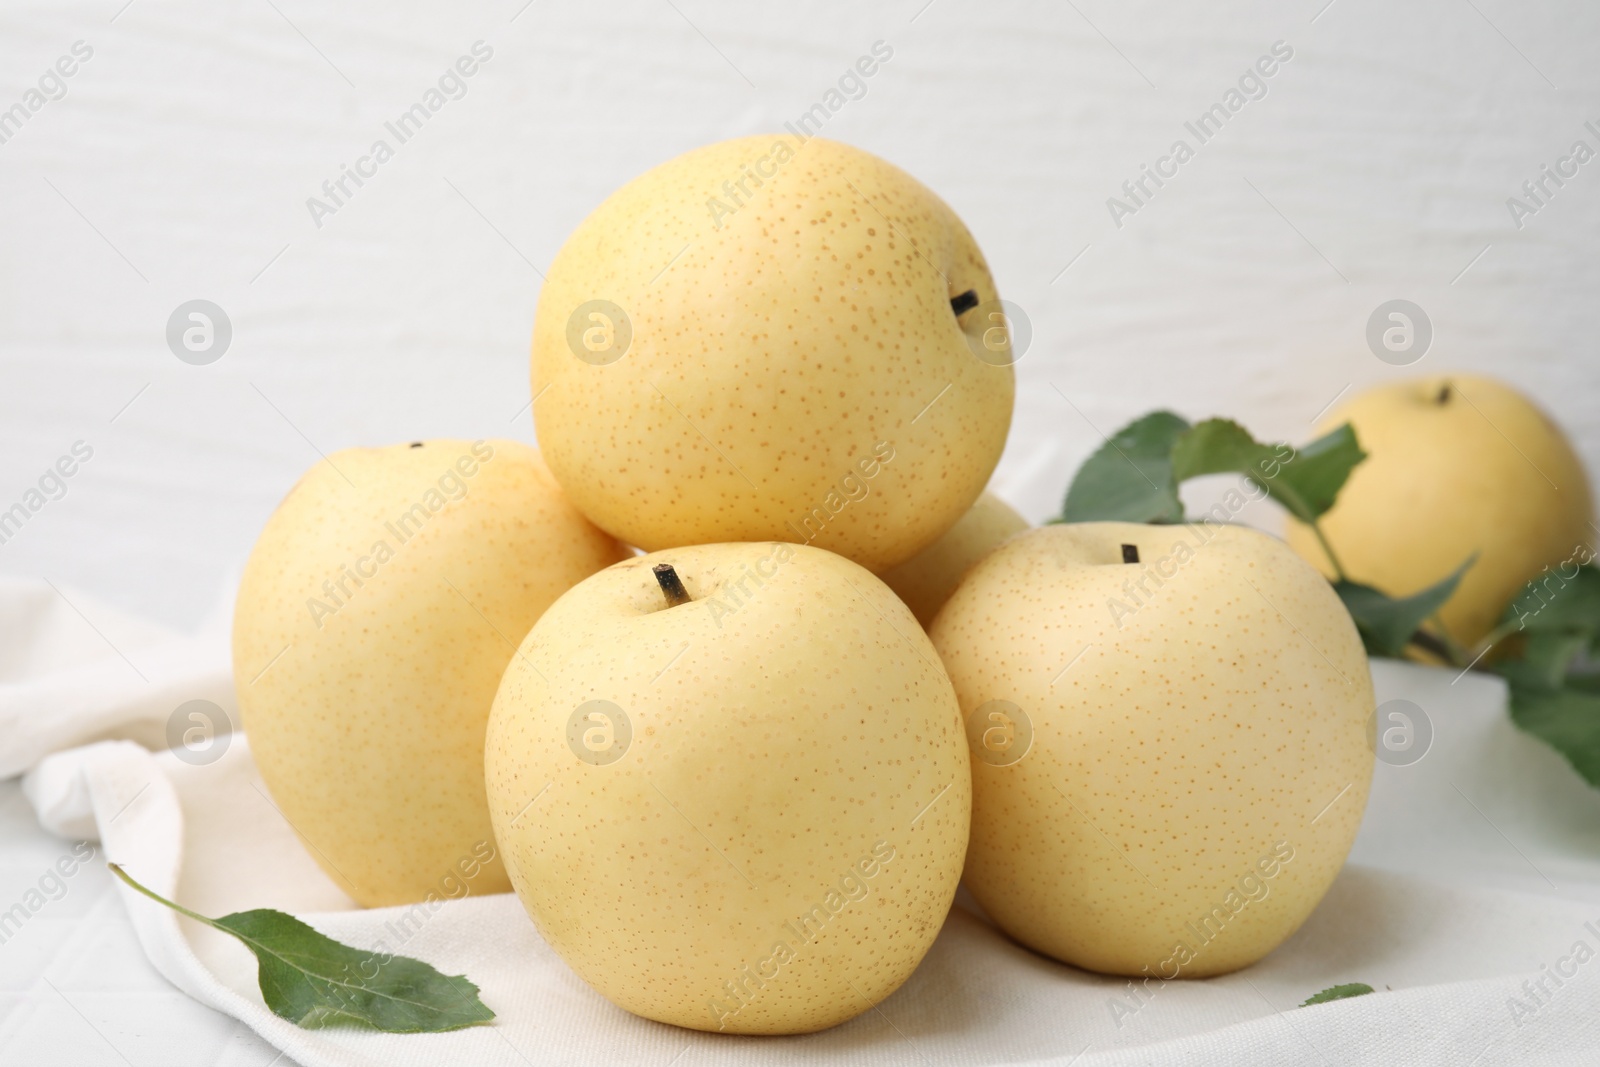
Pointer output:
x,y
1339,992
314,981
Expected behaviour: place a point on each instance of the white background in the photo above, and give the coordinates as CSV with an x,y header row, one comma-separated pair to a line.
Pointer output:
x,y
179,164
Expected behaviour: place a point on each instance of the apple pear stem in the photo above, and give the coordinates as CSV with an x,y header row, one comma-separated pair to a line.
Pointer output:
x,y
964,302
1444,393
671,585
1130,553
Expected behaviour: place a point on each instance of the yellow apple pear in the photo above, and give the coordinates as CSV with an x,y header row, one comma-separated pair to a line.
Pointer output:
x,y
1172,740
731,786
1456,465
818,356
375,617
926,580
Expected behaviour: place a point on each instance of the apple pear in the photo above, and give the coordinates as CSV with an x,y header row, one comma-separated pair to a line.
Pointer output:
x,y
926,580
375,617
1456,465
731,786
1172,732
773,339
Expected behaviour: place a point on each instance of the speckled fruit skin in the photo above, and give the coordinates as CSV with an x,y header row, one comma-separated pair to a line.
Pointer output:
x,y
1484,471
368,728
780,752
926,580
773,349
1225,724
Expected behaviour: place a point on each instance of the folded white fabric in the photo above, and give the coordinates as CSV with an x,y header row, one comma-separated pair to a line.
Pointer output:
x,y
1476,977
73,670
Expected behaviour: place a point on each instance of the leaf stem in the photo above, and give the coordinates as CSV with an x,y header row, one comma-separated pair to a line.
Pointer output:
x,y
301,978
1495,636
117,870
1322,539
1458,655
1432,644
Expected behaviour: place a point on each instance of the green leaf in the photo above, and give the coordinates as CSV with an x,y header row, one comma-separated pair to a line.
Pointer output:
x,y
1216,446
1554,697
1387,623
314,981
1567,719
1553,602
1305,481
1317,473
1339,992
1129,478
1135,476
1547,656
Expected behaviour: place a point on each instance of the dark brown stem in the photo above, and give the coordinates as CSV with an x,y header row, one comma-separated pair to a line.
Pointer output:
x,y
671,585
1431,644
1130,553
1444,394
962,303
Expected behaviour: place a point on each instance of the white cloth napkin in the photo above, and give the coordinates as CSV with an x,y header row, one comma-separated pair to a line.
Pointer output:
x,y
73,670
1449,960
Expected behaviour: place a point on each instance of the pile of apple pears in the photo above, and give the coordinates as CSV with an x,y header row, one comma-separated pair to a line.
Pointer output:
x,y
736,780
